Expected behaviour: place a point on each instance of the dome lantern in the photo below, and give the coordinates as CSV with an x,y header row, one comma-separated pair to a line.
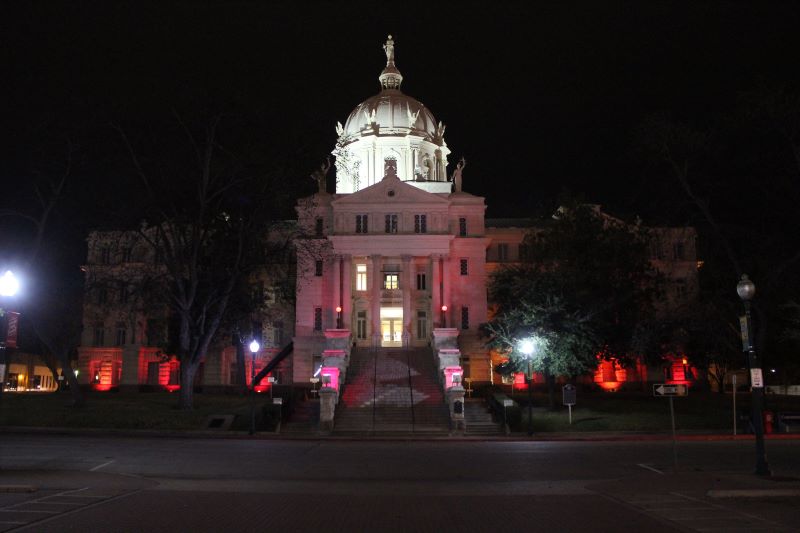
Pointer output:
x,y
390,78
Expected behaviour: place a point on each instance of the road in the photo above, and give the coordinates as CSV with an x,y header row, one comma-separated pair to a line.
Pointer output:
x,y
189,484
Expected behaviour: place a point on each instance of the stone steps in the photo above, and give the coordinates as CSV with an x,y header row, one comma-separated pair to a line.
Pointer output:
x,y
478,419
391,391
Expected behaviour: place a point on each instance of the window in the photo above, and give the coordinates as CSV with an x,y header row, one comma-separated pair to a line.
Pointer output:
x,y
123,293
362,224
317,319
680,289
99,335
420,223
464,317
462,227
464,267
524,252
422,325
318,227
361,277
391,223
105,255
677,251
318,267
121,334
390,281
502,252
126,254
656,250
421,285
361,325
102,295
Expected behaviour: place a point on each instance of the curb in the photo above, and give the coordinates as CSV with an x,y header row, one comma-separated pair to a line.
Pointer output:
x,y
244,435
754,493
17,488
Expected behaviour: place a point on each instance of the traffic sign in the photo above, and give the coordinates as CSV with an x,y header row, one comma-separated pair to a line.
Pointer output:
x,y
569,395
664,389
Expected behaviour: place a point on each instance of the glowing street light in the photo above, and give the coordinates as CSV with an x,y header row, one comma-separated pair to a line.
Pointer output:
x,y
9,284
528,347
254,347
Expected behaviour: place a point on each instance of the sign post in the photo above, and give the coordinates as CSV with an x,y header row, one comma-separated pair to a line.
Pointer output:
x,y
670,391
733,382
506,404
569,395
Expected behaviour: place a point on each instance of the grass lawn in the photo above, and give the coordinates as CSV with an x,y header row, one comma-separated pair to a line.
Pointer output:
x,y
641,412
153,410
593,412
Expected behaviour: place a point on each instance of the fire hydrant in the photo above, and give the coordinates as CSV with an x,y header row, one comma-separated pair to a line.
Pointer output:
x,y
769,418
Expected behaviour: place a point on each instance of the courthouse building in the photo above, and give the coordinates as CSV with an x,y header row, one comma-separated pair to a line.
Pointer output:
x,y
401,250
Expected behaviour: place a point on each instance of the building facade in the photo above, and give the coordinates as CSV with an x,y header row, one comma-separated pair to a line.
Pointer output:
x,y
400,249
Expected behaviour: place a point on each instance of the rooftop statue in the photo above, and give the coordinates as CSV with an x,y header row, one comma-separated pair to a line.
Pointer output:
x,y
457,177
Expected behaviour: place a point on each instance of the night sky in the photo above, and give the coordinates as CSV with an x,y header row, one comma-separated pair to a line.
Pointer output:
x,y
539,98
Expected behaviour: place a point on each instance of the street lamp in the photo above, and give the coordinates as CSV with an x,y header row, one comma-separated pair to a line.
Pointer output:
x,y
338,317
528,348
444,316
9,286
746,290
254,346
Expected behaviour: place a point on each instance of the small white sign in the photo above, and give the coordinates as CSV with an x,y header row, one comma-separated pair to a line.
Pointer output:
x,y
271,379
756,378
277,401
508,403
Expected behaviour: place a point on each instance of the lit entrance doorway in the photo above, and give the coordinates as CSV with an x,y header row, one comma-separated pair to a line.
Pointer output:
x,y
391,326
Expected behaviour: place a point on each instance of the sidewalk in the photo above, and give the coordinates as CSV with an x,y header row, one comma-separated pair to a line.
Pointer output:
x,y
693,435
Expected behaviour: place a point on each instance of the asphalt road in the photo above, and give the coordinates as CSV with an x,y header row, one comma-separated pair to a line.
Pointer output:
x,y
185,484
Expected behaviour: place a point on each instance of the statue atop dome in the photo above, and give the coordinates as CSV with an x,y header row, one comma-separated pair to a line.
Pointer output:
x,y
389,49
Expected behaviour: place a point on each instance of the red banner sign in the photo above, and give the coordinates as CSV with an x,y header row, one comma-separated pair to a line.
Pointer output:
x,y
13,329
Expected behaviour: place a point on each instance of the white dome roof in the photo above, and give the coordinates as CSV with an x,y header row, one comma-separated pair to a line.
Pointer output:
x,y
391,112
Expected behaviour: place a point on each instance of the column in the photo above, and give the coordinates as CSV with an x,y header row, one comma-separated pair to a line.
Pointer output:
x,y
446,296
406,287
375,299
336,286
347,291
436,293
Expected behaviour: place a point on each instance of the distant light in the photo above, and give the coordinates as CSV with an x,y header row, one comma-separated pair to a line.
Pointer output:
x,y
338,308
527,346
532,346
9,285
254,346
772,370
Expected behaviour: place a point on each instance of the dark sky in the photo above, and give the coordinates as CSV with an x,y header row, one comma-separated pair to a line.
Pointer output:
x,y
538,97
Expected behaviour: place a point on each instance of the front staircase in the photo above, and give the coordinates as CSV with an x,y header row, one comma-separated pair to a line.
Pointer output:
x,y
392,391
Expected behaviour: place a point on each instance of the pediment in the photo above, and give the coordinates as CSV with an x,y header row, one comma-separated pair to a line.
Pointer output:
x,y
390,191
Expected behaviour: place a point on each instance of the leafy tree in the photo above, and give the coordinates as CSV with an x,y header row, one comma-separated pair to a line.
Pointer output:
x,y
584,288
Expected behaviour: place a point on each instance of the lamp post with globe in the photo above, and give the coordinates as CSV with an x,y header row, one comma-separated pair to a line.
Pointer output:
x,y
746,290
254,347
9,286
528,349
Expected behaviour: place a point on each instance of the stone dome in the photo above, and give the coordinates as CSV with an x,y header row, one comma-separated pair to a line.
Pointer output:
x,y
388,112
390,126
